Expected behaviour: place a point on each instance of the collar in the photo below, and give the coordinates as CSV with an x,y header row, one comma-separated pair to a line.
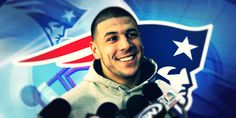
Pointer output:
x,y
148,71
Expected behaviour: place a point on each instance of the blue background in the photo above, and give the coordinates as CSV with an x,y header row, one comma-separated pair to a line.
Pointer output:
x,y
21,35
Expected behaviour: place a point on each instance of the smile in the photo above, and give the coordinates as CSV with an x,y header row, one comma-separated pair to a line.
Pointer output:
x,y
127,58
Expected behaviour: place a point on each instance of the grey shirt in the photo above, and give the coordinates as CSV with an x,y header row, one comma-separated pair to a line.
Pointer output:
x,y
94,90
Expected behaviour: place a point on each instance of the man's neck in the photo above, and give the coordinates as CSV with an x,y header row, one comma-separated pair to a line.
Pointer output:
x,y
129,82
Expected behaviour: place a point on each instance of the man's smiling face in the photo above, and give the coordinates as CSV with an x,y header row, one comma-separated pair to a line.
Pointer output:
x,y
118,45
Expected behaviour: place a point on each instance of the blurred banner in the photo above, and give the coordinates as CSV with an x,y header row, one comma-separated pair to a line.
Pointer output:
x,y
44,50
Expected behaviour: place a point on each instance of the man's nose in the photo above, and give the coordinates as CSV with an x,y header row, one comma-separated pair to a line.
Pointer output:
x,y
125,43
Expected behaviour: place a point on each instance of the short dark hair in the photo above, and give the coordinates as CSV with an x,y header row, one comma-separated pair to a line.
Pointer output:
x,y
107,13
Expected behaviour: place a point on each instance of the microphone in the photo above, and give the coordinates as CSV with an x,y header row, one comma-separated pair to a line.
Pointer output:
x,y
107,110
58,108
135,104
153,93
155,110
161,102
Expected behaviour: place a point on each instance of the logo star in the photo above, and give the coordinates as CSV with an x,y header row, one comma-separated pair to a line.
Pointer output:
x,y
69,15
184,47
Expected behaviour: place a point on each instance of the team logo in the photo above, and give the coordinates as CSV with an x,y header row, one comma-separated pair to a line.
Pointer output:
x,y
180,52
55,17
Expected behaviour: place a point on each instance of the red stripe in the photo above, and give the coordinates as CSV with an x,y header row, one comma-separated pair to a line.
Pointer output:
x,y
61,51
88,58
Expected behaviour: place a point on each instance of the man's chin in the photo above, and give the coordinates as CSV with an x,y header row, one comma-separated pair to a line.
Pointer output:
x,y
129,74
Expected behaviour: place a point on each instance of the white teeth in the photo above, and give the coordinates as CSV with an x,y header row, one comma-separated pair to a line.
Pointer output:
x,y
126,58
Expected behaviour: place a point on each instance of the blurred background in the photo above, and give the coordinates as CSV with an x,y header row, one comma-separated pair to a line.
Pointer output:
x,y
28,26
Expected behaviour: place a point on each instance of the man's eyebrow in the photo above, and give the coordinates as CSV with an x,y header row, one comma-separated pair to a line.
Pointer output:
x,y
109,33
129,30
132,29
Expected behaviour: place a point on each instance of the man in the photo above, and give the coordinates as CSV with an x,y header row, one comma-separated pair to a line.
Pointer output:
x,y
119,70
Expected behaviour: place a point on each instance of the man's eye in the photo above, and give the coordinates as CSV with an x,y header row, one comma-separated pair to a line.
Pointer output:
x,y
112,39
132,35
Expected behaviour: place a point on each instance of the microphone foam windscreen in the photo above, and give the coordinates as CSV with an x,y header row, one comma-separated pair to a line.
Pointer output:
x,y
58,108
151,91
107,109
136,104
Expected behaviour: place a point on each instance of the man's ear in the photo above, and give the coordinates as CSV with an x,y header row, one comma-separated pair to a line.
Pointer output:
x,y
95,50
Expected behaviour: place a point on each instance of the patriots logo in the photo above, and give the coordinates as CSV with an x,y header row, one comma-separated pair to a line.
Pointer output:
x,y
55,17
180,52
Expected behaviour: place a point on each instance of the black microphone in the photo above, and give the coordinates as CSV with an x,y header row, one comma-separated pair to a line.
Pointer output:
x,y
151,91
135,104
107,110
58,108
155,110
161,103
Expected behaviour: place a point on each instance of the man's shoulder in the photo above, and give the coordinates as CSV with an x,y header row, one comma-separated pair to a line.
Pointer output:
x,y
78,92
83,96
81,99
